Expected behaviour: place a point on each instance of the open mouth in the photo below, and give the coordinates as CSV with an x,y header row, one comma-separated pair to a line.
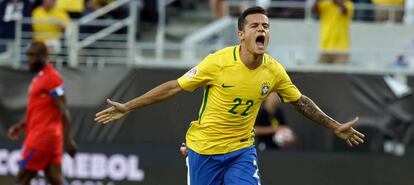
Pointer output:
x,y
260,41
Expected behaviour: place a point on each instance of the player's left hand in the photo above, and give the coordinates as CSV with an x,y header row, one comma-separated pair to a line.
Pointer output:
x,y
348,134
71,148
116,111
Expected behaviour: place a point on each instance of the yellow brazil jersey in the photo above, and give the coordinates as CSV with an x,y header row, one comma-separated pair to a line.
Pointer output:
x,y
389,2
45,30
71,5
335,26
232,98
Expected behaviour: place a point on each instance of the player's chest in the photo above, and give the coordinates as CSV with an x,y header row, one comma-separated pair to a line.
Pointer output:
x,y
253,85
37,88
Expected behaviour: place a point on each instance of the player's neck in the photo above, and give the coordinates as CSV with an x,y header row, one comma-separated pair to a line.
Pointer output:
x,y
250,60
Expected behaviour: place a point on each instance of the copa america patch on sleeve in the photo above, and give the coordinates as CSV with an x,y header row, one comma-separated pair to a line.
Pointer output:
x,y
191,73
58,91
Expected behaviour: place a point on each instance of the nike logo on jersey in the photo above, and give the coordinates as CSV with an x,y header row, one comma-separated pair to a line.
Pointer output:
x,y
226,86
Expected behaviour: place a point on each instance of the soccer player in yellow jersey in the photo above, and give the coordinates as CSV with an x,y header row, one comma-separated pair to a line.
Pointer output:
x,y
236,80
335,17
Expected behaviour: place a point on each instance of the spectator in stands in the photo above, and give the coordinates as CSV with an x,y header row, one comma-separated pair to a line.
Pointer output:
x,y
384,10
10,12
270,126
74,8
335,17
49,22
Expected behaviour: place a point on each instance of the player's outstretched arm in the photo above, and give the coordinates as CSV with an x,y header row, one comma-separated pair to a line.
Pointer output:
x,y
344,131
117,110
15,130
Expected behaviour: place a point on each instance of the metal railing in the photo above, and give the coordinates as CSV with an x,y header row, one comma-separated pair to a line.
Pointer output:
x,y
306,6
160,37
76,44
102,45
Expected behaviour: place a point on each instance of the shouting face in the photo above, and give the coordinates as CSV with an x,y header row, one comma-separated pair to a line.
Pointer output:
x,y
255,33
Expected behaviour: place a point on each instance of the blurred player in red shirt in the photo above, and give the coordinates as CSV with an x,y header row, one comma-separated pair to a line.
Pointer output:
x,y
47,122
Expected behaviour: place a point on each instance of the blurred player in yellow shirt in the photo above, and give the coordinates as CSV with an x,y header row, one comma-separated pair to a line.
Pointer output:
x,y
74,8
335,17
49,24
383,10
236,80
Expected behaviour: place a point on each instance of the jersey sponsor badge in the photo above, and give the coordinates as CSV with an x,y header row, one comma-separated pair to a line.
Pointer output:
x,y
191,73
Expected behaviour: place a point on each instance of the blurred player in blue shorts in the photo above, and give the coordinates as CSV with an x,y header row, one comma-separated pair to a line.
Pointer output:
x,y
236,80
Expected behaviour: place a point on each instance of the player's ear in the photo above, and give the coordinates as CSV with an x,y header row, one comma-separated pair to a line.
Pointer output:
x,y
240,34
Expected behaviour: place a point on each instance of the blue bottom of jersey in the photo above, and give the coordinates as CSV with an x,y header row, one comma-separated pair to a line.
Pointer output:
x,y
235,168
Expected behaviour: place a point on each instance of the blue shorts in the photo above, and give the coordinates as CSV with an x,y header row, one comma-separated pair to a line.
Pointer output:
x,y
235,168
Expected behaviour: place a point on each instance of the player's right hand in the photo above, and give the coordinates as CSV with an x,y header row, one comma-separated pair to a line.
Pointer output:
x,y
118,110
14,132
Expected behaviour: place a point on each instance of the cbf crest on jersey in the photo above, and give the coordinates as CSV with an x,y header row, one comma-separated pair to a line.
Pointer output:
x,y
265,88
191,73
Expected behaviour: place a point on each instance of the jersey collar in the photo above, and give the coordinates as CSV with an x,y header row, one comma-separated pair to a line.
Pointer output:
x,y
236,54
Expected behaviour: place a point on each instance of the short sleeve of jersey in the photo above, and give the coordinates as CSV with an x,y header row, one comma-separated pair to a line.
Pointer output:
x,y
200,75
55,86
284,87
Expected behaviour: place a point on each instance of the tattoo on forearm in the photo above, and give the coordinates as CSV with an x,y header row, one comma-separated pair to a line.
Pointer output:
x,y
310,110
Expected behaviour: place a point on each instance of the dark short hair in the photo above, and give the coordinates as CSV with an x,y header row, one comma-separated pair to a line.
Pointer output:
x,y
37,48
251,10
